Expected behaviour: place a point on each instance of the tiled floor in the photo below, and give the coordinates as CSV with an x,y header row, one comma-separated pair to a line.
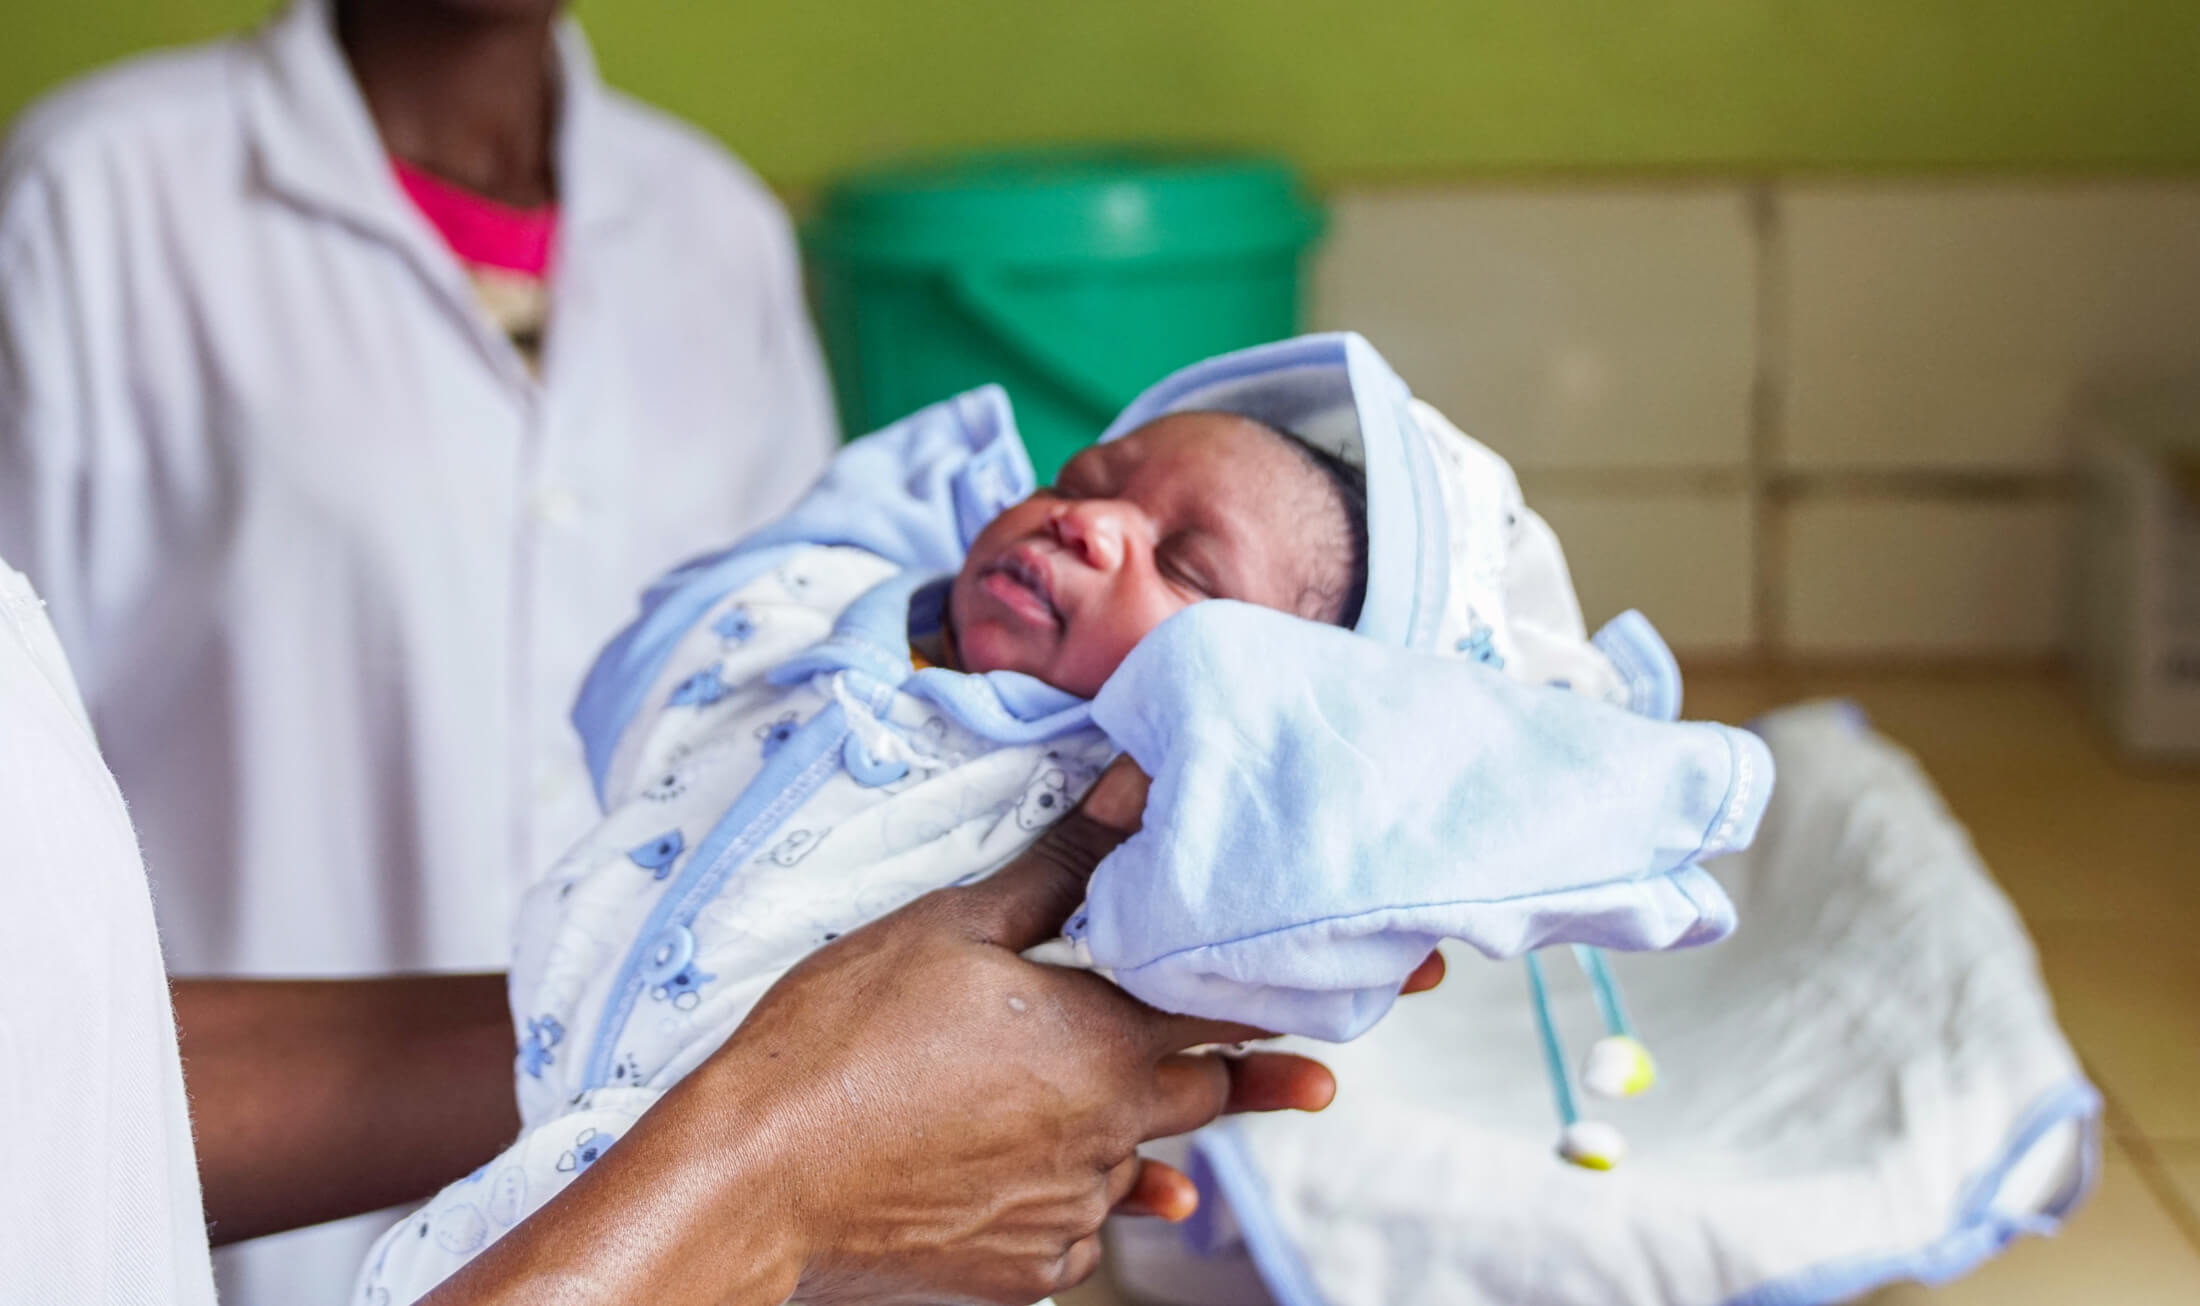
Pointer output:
x,y
2103,860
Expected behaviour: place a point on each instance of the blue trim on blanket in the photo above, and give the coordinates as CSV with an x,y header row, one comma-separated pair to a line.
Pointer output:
x,y
1645,662
1977,1234
1281,1271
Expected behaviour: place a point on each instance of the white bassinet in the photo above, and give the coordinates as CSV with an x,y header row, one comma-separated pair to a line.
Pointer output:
x,y
1865,1084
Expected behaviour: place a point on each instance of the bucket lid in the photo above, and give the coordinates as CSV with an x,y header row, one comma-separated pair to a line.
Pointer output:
x,y
1066,205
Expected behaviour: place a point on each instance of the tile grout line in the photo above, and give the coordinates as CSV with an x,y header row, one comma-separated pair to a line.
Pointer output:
x,y
2122,1133
2156,1177
1768,599
1687,481
1927,485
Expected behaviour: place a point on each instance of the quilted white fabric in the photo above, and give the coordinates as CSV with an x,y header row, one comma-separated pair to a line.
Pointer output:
x,y
1866,1083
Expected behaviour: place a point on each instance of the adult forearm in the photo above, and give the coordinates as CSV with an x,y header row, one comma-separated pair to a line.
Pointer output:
x,y
692,1207
314,1099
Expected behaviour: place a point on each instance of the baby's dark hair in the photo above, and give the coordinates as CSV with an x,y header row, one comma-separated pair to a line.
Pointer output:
x,y
1349,484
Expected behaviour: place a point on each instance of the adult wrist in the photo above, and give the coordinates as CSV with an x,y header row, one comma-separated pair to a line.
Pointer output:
x,y
684,1211
752,1152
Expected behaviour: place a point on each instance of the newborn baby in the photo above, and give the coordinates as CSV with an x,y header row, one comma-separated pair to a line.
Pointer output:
x,y
900,684
1057,588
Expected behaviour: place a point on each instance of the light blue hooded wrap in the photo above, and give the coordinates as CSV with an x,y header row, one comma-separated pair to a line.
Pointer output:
x,y
1326,805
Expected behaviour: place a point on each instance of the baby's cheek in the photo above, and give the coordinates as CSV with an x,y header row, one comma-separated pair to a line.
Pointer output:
x,y
1087,662
988,647
1002,647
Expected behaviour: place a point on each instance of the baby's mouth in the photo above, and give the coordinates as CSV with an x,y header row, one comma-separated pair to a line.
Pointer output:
x,y
1021,583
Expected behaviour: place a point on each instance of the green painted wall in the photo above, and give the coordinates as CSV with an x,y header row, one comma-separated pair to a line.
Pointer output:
x,y
1363,88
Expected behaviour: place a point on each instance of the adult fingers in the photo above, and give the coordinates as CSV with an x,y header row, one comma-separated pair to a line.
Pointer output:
x,y
1118,798
1078,1262
1191,1090
1176,1033
1180,1032
1025,903
1122,1178
1159,1190
1188,1092
1279,1081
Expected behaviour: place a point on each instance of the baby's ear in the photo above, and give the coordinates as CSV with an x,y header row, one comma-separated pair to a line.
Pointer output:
x,y
1118,798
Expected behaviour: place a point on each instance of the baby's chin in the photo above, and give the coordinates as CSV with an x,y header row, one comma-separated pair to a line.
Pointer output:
x,y
981,646
988,646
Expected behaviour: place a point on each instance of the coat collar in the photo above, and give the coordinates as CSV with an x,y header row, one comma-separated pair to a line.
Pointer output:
x,y
316,142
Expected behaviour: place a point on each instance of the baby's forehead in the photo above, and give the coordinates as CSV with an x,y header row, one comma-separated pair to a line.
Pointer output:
x,y
1228,459
1226,440
1269,488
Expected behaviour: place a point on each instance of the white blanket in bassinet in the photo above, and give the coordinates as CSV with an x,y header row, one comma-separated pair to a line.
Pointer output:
x,y
1865,1083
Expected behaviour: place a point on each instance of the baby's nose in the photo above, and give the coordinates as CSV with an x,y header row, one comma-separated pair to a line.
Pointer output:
x,y
1092,529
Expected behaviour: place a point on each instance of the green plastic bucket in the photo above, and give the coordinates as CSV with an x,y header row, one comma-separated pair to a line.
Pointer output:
x,y
1075,278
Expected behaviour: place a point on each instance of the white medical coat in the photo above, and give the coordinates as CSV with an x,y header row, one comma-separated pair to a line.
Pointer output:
x,y
101,1199
329,560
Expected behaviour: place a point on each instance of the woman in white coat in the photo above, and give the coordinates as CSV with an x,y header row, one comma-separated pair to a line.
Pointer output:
x,y
354,377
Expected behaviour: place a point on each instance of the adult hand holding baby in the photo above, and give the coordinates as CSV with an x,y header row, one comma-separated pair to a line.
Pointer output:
x,y
914,1113
1045,1079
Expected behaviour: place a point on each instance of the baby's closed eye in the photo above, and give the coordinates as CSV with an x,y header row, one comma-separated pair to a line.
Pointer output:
x,y
1180,559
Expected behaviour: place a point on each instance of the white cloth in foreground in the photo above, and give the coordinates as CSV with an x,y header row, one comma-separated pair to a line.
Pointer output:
x,y
101,1200
328,559
1864,1084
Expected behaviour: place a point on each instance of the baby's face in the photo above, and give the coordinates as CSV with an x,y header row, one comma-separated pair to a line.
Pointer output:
x,y
1188,507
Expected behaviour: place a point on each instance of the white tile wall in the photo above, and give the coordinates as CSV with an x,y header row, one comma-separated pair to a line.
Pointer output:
x,y
1933,577
1566,328
1925,340
1948,325
1687,560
